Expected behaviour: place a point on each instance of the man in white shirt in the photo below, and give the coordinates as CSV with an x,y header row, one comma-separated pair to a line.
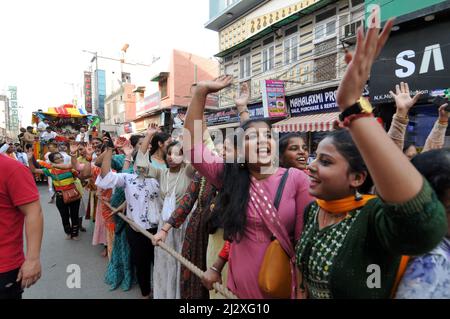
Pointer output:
x,y
21,155
42,126
48,135
83,136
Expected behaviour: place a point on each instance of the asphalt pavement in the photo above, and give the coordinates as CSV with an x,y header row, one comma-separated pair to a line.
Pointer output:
x,y
60,259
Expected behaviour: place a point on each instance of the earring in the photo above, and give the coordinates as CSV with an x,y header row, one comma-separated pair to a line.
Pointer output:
x,y
358,196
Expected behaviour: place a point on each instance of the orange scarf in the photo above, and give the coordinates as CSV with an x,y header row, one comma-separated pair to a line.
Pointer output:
x,y
343,205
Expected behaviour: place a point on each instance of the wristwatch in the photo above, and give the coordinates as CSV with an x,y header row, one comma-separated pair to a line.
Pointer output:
x,y
362,106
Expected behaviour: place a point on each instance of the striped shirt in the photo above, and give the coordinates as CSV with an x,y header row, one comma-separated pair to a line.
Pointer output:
x,y
63,179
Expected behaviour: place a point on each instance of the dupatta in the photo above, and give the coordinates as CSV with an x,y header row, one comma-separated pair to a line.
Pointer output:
x,y
259,202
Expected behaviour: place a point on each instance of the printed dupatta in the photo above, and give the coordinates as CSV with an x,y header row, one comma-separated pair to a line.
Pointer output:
x,y
259,202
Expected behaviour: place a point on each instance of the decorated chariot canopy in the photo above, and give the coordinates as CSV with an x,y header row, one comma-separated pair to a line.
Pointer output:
x,y
66,115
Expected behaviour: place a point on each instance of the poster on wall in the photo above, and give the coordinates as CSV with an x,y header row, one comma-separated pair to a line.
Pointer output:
x,y
273,98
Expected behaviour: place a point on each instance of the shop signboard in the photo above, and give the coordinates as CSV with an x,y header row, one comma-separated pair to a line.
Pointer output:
x,y
321,101
419,56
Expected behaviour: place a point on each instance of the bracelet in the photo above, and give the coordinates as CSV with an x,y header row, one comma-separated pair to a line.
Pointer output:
x,y
353,117
443,123
167,232
127,160
215,270
73,154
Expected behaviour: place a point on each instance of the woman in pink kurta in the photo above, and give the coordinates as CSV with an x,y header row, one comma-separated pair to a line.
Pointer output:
x,y
246,256
248,184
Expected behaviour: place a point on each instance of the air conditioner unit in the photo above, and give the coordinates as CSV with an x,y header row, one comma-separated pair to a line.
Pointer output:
x,y
350,30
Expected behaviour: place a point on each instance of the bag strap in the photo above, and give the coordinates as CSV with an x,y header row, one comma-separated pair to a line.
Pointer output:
x,y
281,189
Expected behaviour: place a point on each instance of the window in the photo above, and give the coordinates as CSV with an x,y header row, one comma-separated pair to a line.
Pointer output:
x,y
291,50
163,88
245,66
268,55
325,30
325,25
229,69
356,2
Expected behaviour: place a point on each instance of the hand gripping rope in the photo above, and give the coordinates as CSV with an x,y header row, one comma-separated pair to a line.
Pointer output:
x,y
197,271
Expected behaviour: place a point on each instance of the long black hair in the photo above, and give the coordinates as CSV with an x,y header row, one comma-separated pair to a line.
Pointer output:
x,y
233,198
345,145
158,137
435,167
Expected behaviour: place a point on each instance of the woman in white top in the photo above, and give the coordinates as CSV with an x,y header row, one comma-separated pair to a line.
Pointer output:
x,y
173,182
143,202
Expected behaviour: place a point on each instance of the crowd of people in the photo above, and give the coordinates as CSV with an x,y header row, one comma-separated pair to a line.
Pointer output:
x,y
228,204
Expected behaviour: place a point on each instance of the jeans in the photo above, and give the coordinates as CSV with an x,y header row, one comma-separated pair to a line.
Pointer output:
x,y
9,288
69,215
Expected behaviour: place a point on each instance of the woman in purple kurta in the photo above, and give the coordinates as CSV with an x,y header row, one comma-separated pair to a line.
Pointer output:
x,y
248,189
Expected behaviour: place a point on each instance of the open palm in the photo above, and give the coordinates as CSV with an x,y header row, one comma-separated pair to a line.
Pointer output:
x,y
242,99
217,84
73,148
403,99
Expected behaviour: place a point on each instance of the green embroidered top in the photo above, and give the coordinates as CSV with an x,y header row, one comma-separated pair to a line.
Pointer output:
x,y
342,260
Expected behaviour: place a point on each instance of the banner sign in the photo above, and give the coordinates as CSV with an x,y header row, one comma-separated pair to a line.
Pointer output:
x,y
273,98
323,101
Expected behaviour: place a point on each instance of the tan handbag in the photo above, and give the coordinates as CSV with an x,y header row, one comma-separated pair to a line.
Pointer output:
x,y
275,273
71,195
274,277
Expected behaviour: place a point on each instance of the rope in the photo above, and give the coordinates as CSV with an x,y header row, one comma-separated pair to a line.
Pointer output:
x,y
197,271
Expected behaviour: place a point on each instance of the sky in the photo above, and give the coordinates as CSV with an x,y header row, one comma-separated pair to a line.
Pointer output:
x,y
42,41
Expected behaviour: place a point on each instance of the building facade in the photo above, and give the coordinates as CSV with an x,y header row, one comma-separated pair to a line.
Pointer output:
x,y
302,44
120,109
298,43
164,101
4,117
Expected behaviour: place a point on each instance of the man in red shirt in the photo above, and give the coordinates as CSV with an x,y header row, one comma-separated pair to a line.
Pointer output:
x,y
19,205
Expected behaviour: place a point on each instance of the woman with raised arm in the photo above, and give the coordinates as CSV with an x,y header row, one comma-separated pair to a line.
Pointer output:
x,y
404,102
173,180
62,179
248,187
143,206
353,243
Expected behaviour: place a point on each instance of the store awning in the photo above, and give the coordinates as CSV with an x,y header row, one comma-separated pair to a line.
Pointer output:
x,y
307,123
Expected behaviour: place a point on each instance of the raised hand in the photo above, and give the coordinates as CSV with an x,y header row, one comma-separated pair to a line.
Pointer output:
x,y
152,129
217,84
73,147
368,48
443,113
120,142
403,99
244,95
128,149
